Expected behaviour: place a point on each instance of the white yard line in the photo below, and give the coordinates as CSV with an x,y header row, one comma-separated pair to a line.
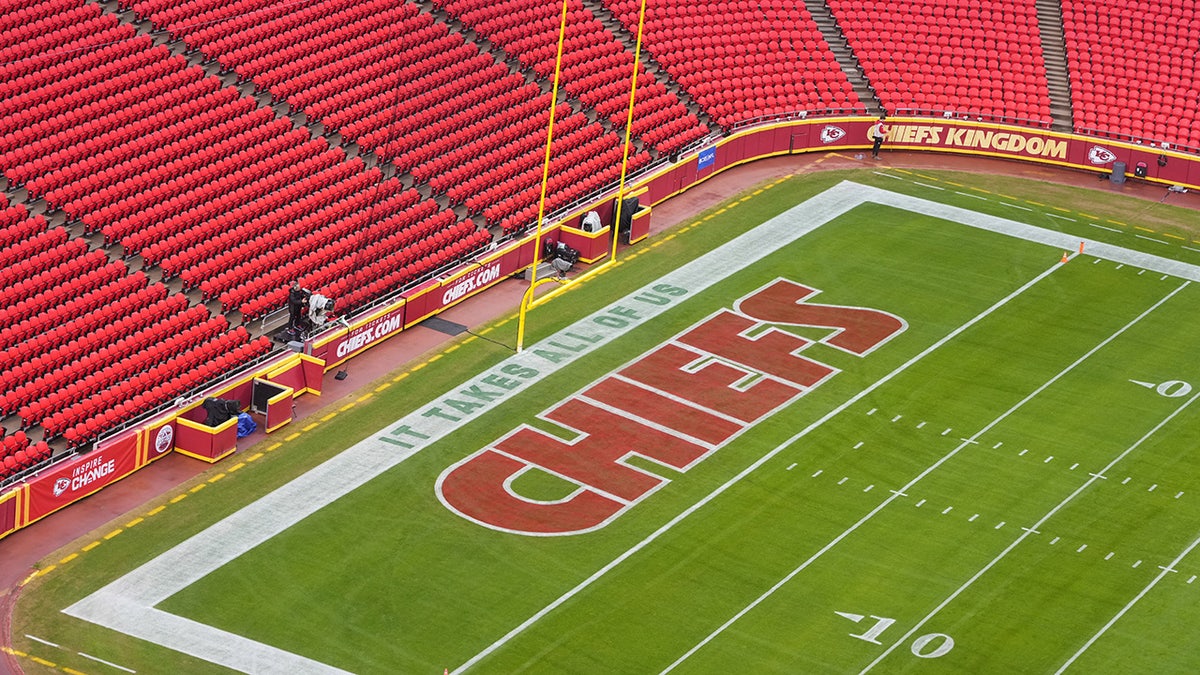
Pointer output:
x,y
127,604
932,467
1165,571
1092,478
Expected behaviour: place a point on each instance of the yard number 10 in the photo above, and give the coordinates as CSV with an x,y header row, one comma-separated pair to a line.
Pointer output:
x,y
928,646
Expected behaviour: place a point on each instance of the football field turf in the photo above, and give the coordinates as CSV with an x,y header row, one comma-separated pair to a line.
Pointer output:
x,y
875,433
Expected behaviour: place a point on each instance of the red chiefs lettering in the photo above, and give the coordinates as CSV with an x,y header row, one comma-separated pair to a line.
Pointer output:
x,y
672,407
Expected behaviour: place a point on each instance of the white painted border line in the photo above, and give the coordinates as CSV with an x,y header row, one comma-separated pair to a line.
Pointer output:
x,y
107,663
932,467
126,604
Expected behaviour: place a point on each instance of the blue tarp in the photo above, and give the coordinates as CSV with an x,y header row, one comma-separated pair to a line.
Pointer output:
x,y
246,425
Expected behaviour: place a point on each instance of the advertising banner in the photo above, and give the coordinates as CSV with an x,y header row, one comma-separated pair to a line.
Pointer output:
x,y
79,477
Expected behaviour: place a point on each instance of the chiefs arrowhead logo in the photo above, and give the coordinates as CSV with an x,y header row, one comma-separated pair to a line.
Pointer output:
x,y
61,485
1099,155
831,133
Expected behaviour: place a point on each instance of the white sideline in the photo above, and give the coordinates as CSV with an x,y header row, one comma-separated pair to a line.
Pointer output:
x,y
127,604
1092,478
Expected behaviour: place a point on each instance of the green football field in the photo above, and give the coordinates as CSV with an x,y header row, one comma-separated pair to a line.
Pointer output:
x,y
1005,482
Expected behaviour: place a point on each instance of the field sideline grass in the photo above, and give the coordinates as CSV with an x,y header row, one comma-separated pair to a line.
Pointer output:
x,y
390,541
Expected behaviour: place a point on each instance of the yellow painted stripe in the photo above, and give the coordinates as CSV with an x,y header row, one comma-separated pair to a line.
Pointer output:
x,y
1030,201
382,387
198,488
758,192
955,184
310,427
71,671
1143,229
326,418
417,367
452,348
986,192
68,559
435,357
44,662
1089,216
133,522
216,478
155,511
91,546
47,570
363,399
255,457
1173,236
902,171
346,407
273,446
401,376
1117,222
178,498
292,436
112,534
237,466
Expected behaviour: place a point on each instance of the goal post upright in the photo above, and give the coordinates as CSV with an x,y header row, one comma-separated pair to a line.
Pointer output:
x,y
528,301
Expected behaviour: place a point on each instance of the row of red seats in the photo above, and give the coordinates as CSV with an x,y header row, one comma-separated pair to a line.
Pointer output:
x,y
15,328
268,283
519,210
483,128
239,208
155,386
75,66
74,152
511,122
69,342
18,453
409,231
283,55
175,224
47,270
100,140
56,32
595,66
79,125
779,35
367,73
36,251
897,46
388,274
49,298
139,210
354,217
1133,69
314,195
54,390
27,109
187,153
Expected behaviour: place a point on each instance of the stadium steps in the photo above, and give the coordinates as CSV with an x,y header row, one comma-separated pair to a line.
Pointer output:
x,y
614,26
1054,55
836,39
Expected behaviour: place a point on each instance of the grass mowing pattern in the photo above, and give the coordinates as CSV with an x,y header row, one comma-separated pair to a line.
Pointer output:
x,y
386,580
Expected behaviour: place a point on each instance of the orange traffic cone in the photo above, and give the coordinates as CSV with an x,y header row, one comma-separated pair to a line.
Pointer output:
x,y
1081,248
1065,257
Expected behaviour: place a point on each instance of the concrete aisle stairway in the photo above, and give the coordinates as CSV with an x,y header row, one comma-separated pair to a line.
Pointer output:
x,y
845,55
1054,53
